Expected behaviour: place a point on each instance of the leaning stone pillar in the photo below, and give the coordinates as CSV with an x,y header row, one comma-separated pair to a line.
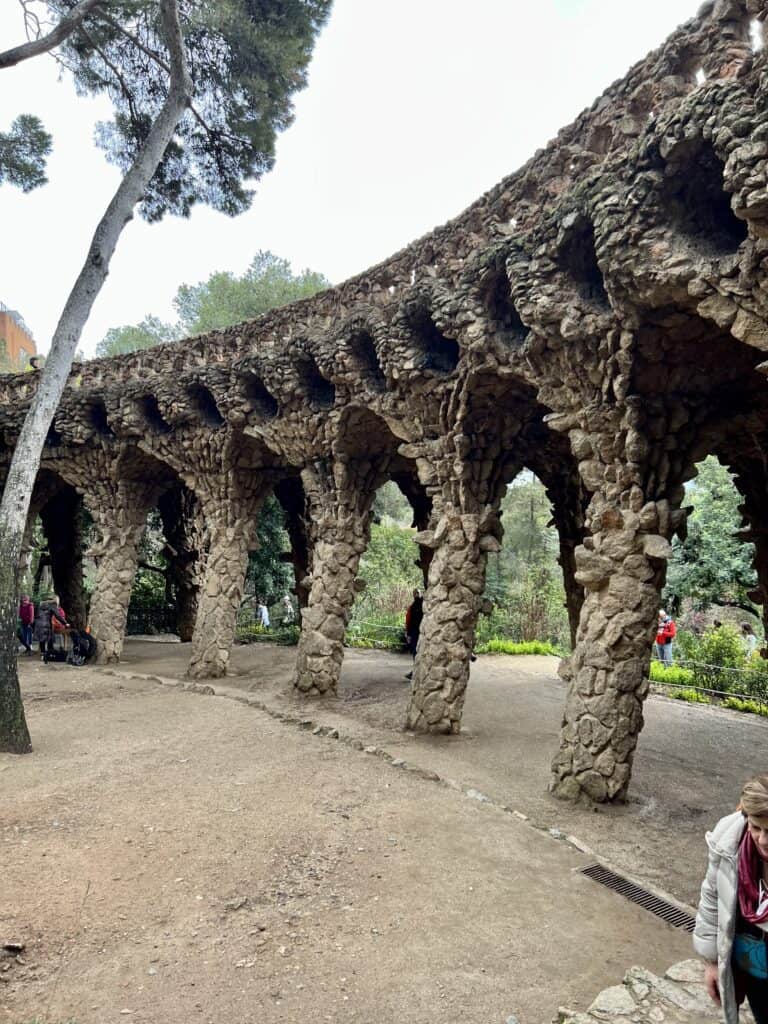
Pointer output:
x,y
225,472
230,531
622,566
183,535
452,603
120,520
464,479
339,504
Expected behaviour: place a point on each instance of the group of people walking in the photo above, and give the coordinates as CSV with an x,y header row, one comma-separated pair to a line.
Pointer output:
x,y
41,625
286,612
666,632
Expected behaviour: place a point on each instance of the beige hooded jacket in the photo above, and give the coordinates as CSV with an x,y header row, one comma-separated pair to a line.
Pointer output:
x,y
717,914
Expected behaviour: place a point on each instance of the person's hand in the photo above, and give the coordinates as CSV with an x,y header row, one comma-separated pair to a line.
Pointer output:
x,y
712,983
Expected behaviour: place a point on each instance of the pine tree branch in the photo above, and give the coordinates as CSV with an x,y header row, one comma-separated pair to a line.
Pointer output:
x,y
164,66
64,29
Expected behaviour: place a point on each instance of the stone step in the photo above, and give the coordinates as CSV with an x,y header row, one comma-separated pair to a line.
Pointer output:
x,y
645,998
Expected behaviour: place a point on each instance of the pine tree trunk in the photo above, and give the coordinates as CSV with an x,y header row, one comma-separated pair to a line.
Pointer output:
x,y
20,481
14,735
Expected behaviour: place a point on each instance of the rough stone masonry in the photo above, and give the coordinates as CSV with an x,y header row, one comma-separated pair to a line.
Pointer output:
x,y
599,317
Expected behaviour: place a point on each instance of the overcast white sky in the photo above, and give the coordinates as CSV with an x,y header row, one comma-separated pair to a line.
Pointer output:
x,y
413,109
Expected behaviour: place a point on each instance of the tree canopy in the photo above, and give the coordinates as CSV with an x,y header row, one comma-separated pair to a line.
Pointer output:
x,y
199,89
226,299
712,565
223,300
131,338
23,153
246,58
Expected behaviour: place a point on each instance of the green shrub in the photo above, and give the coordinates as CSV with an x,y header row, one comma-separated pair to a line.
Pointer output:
x,y
722,647
672,674
284,636
692,696
498,646
750,706
379,635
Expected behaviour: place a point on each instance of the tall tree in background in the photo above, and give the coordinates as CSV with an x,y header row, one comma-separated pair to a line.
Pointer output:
x,y
199,88
222,301
120,340
712,565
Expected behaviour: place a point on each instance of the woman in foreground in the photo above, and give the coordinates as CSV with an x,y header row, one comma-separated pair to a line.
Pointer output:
x,y
732,922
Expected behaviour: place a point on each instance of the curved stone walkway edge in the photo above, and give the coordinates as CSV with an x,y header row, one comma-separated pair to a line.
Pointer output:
x,y
677,998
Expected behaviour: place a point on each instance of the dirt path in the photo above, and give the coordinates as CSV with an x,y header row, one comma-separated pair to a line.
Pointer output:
x,y
173,857
689,767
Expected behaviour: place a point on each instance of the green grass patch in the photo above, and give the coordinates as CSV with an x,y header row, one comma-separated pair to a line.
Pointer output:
x,y
498,646
671,674
691,696
750,706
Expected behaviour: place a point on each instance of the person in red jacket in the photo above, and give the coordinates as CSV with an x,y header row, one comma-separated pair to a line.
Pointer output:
x,y
26,618
665,634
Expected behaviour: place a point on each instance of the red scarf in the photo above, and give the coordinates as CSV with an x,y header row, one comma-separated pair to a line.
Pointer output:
x,y
750,870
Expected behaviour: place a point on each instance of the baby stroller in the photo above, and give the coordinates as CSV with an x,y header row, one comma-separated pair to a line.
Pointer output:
x,y
82,649
73,646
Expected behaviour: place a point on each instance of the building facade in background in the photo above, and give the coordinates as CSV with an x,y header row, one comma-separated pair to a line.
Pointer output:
x,y
16,341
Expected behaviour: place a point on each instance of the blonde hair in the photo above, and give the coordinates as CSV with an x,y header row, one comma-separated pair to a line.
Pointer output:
x,y
754,797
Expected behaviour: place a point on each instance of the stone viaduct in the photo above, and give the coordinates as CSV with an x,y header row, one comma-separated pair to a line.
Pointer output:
x,y
600,316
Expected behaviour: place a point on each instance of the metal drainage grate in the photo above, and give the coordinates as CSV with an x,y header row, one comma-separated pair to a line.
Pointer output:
x,y
666,911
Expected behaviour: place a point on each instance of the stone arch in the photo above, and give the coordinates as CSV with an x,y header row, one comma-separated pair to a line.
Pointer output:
x,y
318,390
694,199
148,409
257,397
436,352
202,400
577,258
495,294
98,418
360,339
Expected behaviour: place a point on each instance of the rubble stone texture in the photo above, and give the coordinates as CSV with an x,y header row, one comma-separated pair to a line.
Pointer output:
x,y
645,998
338,505
600,317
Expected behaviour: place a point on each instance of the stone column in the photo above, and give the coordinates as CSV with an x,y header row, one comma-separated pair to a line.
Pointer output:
x,y
226,474
464,475
339,497
230,532
622,566
183,533
456,579
63,526
290,494
568,515
119,509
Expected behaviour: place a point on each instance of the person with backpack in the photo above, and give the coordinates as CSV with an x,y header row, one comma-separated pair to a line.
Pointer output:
x,y
51,618
26,621
665,634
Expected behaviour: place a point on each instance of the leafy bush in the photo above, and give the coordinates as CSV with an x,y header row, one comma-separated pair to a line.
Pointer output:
x,y
284,636
390,573
379,635
692,696
499,646
751,706
672,674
